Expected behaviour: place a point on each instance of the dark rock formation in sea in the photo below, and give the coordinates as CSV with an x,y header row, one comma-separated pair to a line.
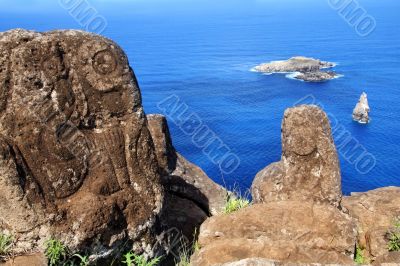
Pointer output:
x,y
361,111
316,76
79,161
304,68
309,168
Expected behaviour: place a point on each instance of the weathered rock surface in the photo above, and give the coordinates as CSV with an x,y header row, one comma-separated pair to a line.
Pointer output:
x,y
77,159
307,69
182,177
285,231
27,260
361,111
389,259
309,168
265,262
376,212
190,195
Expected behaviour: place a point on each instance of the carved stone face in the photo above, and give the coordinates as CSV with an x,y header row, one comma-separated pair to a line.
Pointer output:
x,y
63,92
80,160
110,87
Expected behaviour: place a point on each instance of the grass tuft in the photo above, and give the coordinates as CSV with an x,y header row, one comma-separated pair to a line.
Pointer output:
x,y
186,250
132,259
235,201
6,242
394,237
359,257
55,251
83,260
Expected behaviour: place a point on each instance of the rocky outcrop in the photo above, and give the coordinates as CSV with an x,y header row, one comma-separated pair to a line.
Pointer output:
x,y
361,111
77,159
316,76
182,177
376,213
309,168
285,231
191,196
296,217
303,68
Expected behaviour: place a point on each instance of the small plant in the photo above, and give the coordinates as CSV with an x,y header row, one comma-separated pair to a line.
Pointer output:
x,y
196,246
135,260
184,259
235,202
359,257
184,255
55,251
83,260
394,237
186,250
5,244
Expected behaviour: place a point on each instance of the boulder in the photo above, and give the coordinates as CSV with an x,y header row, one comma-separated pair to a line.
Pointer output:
x,y
181,177
77,161
286,231
361,111
376,212
309,168
190,195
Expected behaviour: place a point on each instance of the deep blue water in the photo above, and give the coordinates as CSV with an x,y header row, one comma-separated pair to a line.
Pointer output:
x,y
202,52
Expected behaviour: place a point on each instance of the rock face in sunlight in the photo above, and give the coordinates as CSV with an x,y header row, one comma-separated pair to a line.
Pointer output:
x,y
377,213
80,161
309,168
361,111
77,159
296,216
285,231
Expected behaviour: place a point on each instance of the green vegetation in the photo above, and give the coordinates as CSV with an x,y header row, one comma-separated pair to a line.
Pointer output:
x,y
131,259
55,251
186,250
83,260
235,202
184,258
394,237
6,242
58,254
359,257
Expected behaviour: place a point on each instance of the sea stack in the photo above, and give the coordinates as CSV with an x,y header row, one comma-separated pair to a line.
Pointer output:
x,y
361,111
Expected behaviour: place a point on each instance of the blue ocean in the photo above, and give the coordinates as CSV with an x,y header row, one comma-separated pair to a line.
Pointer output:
x,y
201,53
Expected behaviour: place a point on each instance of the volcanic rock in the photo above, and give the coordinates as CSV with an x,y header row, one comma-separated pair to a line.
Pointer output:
x,y
309,168
376,212
285,231
77,159
304,68
361,111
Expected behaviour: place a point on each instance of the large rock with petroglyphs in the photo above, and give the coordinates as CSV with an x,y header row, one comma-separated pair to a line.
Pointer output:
x,y
77,158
